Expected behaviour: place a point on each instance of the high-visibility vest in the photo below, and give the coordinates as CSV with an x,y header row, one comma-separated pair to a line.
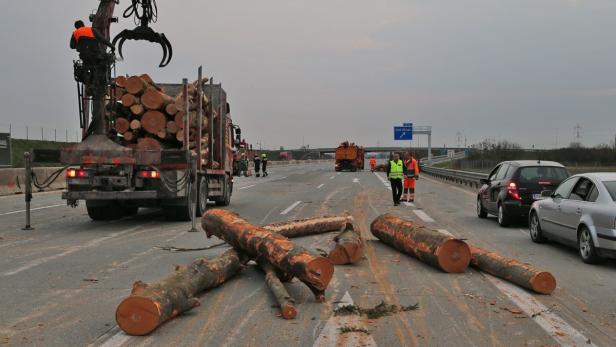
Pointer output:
x,y
396,170
83,32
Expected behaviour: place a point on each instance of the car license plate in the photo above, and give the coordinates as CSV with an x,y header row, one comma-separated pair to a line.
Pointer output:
x,y
538,197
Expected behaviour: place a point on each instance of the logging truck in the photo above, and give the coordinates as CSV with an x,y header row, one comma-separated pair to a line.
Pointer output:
x,y
164,145
349,157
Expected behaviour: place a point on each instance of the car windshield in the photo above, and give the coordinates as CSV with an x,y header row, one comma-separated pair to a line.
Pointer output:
x,y
548,174
611,187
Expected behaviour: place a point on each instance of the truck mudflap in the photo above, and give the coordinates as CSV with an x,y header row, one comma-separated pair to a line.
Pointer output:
x,y
97,195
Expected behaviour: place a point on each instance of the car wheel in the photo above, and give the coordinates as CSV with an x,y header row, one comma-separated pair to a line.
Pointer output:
x,y
536,234
587,247
503,218
481,212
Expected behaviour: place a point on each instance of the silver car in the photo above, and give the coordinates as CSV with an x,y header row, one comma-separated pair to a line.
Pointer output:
x,y
581,213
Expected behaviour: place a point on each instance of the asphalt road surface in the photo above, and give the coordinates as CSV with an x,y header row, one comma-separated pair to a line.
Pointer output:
x,y
61,283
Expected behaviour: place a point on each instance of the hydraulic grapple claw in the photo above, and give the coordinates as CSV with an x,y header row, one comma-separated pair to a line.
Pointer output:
x,y
145,33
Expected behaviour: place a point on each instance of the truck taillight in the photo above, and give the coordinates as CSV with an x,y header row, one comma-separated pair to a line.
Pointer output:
x,y
148,174
512,189
76,173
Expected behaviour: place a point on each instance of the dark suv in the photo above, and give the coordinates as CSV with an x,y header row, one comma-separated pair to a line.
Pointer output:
x,y
513,186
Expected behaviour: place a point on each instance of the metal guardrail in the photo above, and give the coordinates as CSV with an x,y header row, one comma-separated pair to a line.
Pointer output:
x,y
468,178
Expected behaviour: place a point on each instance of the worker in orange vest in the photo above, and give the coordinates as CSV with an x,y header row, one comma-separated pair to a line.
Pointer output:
x,y
372,164
412,174
84,38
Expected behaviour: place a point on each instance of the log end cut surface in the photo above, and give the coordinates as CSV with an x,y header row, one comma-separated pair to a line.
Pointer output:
x,y
288,312
322,270
543,283
453,256
138,316
348,253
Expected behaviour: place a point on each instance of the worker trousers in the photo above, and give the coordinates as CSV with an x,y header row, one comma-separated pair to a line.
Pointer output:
x,y
396,190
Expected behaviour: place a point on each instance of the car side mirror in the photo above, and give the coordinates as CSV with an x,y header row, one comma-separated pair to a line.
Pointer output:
x,y
485,181
547,194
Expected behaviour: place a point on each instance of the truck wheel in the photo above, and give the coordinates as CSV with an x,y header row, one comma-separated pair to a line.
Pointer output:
x,y
225,200
103,211
202,197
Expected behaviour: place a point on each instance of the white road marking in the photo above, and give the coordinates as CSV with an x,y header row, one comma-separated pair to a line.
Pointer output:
x,y
250,186
320,185
116,340
551,323
70,250
444,231
385,182
424,217
355,180
32,209
561,331
290,208
409,204
331,336
331,178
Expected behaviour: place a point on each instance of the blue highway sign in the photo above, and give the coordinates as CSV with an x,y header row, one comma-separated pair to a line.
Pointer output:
x,y
403,133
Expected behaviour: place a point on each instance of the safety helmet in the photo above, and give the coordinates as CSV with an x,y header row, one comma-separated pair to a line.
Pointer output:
x,y
263,155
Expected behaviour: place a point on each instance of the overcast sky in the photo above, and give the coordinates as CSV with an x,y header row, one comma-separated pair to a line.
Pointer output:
x,y
324,71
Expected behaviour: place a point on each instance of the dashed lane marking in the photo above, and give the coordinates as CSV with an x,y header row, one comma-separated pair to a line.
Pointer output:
x,y
331,178
385,182
320,185
290,208
409,204
423,216
32,209
331,335
247,187
355,180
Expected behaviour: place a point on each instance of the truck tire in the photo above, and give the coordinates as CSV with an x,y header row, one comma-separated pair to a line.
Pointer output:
x,y
227,190
202,197
98,211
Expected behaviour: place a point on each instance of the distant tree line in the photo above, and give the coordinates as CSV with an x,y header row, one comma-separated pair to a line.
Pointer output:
x,y
574,155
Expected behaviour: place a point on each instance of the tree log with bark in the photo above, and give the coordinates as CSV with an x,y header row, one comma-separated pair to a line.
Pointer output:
x,y
149,306
310,226
349,247
284,300
315,271
514,271
432,247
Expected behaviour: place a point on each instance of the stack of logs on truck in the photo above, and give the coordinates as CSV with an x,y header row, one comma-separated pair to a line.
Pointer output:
x,y
349,157
165,145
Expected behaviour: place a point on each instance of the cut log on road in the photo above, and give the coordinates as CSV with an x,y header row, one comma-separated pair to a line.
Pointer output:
x,y
121,125
444,252
153,122
286,302
149,306
310,226
315,271
512,270
349,247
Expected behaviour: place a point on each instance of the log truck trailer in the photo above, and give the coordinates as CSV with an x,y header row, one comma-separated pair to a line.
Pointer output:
x,y
115,180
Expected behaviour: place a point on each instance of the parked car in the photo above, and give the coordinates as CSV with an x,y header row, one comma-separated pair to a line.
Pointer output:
x,y
513,186
580,213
